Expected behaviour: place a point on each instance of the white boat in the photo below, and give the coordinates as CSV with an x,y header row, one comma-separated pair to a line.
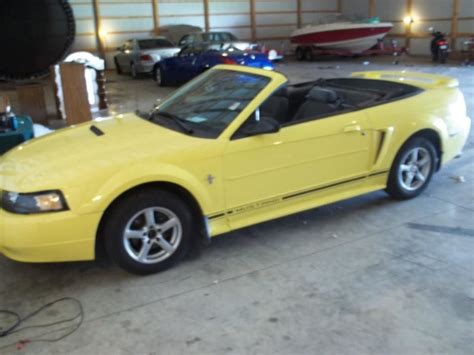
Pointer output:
x,y
355,37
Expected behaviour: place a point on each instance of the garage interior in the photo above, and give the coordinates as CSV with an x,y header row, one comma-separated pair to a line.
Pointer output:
x,y
367,275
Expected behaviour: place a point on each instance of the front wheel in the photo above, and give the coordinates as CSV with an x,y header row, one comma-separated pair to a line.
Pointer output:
x,y
412,169
148,231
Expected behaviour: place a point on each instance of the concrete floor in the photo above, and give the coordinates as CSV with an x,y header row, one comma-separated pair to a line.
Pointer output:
x,y
365,276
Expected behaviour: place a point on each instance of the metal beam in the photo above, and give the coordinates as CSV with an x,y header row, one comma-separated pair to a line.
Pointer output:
x,y
253,20
454,24
371,8
299,15
206,15
156,16
409,12
97,29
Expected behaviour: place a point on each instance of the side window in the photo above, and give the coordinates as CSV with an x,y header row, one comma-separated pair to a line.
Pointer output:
x,y
275,107
184,41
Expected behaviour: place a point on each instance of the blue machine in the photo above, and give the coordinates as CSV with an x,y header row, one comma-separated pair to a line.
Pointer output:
x,y
14,130
194,60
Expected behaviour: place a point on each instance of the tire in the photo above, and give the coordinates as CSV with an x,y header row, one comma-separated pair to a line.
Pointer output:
x,y
158,76
443,57
412,169
308,56
300,53
133,71
117,67
135,238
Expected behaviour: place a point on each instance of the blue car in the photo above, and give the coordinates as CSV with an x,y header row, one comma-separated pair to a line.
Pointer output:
x,y
193,60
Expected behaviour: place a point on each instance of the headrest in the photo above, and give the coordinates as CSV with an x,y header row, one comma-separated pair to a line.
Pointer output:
x,y
323,95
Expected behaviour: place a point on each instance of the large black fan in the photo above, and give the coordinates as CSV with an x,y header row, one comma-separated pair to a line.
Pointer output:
x,y
35,34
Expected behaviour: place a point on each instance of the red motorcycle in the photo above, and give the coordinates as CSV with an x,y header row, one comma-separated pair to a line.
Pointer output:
x,y
439,46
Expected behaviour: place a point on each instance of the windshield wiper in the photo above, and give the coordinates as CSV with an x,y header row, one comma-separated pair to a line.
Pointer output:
x,y
179,121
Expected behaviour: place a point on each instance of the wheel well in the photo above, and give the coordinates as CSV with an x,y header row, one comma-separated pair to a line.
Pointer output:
x,y
178,190
434,138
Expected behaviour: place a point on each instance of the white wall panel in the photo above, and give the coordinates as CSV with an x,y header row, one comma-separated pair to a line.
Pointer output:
x,y
390,10
432,8
423,26
125,10
312,18
85,26
466,8
466,26
275,19
186,20
229,6
176,8
82,10
263,32
131,24
319,5
229,20
275,5
355,7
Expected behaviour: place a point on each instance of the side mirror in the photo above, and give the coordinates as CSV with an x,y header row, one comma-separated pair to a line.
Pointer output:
x,y
265,125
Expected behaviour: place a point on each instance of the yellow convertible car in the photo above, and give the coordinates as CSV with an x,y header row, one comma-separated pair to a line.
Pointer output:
x,y
234,147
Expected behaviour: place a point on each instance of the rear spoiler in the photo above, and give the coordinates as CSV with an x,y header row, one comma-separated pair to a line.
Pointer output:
x,y
427,81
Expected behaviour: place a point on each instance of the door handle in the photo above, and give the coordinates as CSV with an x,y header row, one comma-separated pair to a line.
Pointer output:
x,y
352,128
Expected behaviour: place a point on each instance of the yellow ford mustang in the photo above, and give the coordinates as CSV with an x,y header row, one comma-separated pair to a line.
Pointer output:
x,y
234,147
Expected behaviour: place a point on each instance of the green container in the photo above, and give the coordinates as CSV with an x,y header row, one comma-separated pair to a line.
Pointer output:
x,y
22,131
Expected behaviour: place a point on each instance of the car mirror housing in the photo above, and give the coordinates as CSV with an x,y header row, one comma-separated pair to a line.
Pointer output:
x,y
265,125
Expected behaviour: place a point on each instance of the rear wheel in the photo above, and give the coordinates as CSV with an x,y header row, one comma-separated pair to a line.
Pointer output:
x,y
308,56
412,169
158,76
133,71
148,231
300,53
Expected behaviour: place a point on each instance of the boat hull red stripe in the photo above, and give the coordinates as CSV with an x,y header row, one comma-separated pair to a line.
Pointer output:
x,y
339,35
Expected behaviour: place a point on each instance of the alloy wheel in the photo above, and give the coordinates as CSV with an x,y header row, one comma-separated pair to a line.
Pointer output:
x,y
415,168
152,235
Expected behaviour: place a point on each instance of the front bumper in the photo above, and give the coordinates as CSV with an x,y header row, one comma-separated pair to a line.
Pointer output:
x,y
52,237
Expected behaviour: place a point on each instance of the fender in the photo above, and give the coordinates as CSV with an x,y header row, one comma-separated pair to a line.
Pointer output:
x,y
123,181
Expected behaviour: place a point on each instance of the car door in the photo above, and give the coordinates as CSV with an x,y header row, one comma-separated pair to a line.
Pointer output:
x,y
124,58
302,160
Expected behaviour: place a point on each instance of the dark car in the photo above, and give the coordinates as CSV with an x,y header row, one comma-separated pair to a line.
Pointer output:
x,y
193,60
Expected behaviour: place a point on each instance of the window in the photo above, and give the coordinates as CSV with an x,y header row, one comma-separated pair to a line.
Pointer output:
x,y
154,43
214,100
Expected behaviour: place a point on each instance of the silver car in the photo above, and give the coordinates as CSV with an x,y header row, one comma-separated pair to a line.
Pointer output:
x,y
215,37
139,56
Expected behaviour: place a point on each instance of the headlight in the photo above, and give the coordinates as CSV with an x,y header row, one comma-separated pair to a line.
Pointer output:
x,y
38,202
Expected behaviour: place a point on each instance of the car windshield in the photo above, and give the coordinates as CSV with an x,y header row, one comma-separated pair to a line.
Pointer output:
x,y
211,102
219,37
154,43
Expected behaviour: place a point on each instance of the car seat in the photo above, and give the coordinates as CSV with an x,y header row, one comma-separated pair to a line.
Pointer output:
x,y
319,102
277,106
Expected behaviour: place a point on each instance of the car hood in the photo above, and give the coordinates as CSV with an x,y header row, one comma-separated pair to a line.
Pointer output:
x,y
72,155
